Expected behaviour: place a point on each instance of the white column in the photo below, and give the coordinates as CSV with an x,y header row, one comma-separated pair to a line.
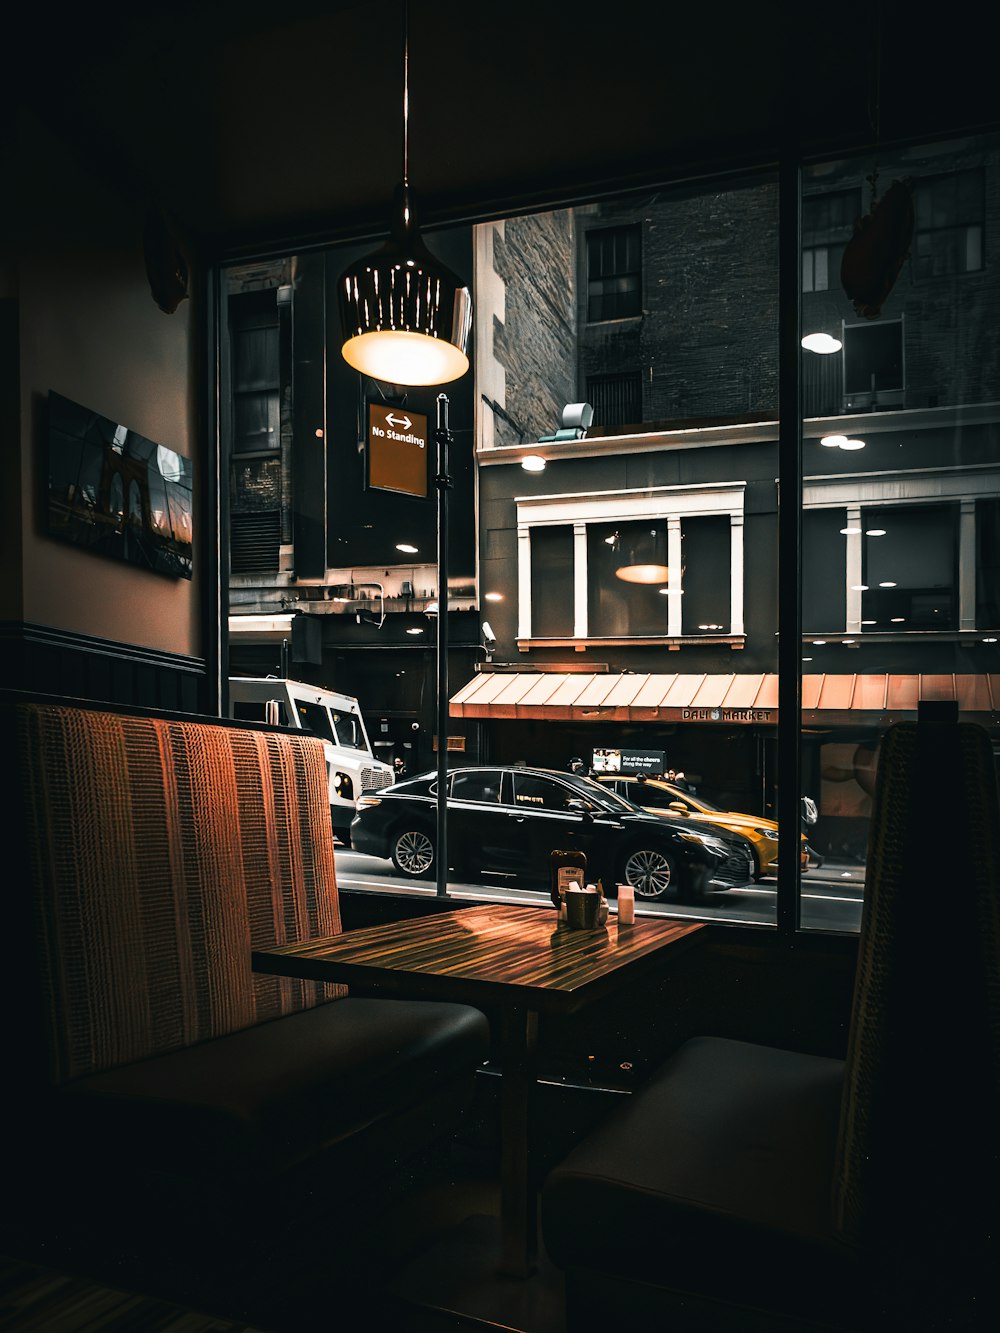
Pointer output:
x,y
581,621
523,582
967,566
736,574
675,583
852,566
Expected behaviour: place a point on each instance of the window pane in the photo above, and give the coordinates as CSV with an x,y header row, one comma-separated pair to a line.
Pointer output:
x,y
706,556
911,567
552,582
824,567
614,273
626,568
900,525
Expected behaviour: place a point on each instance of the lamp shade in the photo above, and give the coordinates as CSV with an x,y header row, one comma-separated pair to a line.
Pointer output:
x,y
406,317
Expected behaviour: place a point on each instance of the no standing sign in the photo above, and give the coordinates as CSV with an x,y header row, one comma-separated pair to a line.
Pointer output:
x,y
397,450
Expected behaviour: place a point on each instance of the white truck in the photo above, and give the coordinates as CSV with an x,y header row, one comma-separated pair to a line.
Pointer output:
x,y
351,768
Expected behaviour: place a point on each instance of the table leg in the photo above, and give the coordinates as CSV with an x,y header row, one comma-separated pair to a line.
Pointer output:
x,y
518,1205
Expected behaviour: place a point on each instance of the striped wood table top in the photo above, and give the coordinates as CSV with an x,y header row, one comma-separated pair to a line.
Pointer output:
x,y
503,951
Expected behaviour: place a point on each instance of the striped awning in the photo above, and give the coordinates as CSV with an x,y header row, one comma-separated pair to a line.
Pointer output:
x,y
743,699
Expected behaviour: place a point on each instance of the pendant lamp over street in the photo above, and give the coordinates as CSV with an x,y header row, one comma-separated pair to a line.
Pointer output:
x,y
406,317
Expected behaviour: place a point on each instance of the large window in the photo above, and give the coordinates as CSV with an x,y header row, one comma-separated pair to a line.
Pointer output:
x,y
624,592
656,564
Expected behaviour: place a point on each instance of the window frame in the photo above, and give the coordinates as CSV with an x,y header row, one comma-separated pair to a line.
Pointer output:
x,y
663,503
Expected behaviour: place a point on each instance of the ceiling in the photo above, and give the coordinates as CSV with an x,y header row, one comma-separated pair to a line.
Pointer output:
x,y
253,122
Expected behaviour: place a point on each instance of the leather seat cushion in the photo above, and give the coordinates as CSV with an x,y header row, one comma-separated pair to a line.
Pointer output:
x,y
727,1148
270,1097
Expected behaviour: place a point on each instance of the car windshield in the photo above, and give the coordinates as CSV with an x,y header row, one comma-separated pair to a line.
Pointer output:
x,y
350,733
707,805
315,718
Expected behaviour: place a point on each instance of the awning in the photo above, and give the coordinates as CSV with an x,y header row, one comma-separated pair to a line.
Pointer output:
x,y
741,699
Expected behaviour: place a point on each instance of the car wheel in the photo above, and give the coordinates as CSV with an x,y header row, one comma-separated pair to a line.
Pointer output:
x,y
650,872
413,853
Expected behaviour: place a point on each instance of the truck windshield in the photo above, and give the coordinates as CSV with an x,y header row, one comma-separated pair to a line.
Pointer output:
x,y
350,733
315,718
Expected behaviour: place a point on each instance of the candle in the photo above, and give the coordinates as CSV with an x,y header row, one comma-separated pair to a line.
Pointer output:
x,y
627,904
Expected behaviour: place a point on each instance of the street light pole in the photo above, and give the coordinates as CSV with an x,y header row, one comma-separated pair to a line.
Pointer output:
x,y
442,481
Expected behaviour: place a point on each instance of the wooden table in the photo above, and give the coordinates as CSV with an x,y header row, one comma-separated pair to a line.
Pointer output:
x,y
504,957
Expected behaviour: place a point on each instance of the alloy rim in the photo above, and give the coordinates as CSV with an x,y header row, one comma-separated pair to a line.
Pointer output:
x,y
648,873
415,852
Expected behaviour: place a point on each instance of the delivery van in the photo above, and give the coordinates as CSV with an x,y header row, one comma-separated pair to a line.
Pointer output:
x,y
351,768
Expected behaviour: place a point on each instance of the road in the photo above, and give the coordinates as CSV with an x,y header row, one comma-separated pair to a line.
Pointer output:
x,y
831,895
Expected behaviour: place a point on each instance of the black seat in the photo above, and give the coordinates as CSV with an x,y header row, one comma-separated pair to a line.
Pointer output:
x,y
750,1187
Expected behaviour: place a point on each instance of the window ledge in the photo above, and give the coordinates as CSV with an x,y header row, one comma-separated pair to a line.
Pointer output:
x,y
671,643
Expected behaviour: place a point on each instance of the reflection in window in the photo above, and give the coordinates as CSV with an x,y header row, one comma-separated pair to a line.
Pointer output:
x,y
476,785
911,567
949,224
627,567
540,792
873,365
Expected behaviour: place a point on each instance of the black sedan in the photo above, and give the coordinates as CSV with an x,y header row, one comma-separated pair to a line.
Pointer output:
x,y
508,819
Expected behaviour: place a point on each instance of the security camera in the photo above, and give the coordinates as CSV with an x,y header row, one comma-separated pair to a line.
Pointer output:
x,y
488,635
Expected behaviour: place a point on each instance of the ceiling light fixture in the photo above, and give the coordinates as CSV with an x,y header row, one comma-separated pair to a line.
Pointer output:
x,y
493,596
405,316
832,441
875,532
822,343
852,444
406,548
849,532
643,573
533,463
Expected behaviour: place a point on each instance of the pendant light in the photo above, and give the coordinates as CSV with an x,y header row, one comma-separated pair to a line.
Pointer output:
x,y
406,317
644,558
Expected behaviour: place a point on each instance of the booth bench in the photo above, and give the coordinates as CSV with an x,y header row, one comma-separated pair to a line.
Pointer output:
x,y
168,1103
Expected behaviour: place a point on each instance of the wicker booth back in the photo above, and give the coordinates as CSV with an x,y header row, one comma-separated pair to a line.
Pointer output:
x,y
157,853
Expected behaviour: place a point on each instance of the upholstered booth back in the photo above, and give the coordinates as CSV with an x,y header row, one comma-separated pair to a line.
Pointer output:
x,y
918,1154
157,854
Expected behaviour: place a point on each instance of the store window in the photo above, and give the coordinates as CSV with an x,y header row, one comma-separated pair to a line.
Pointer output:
x,y
617,576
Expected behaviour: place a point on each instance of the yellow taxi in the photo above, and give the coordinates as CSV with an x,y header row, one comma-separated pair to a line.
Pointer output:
x,y
664,798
